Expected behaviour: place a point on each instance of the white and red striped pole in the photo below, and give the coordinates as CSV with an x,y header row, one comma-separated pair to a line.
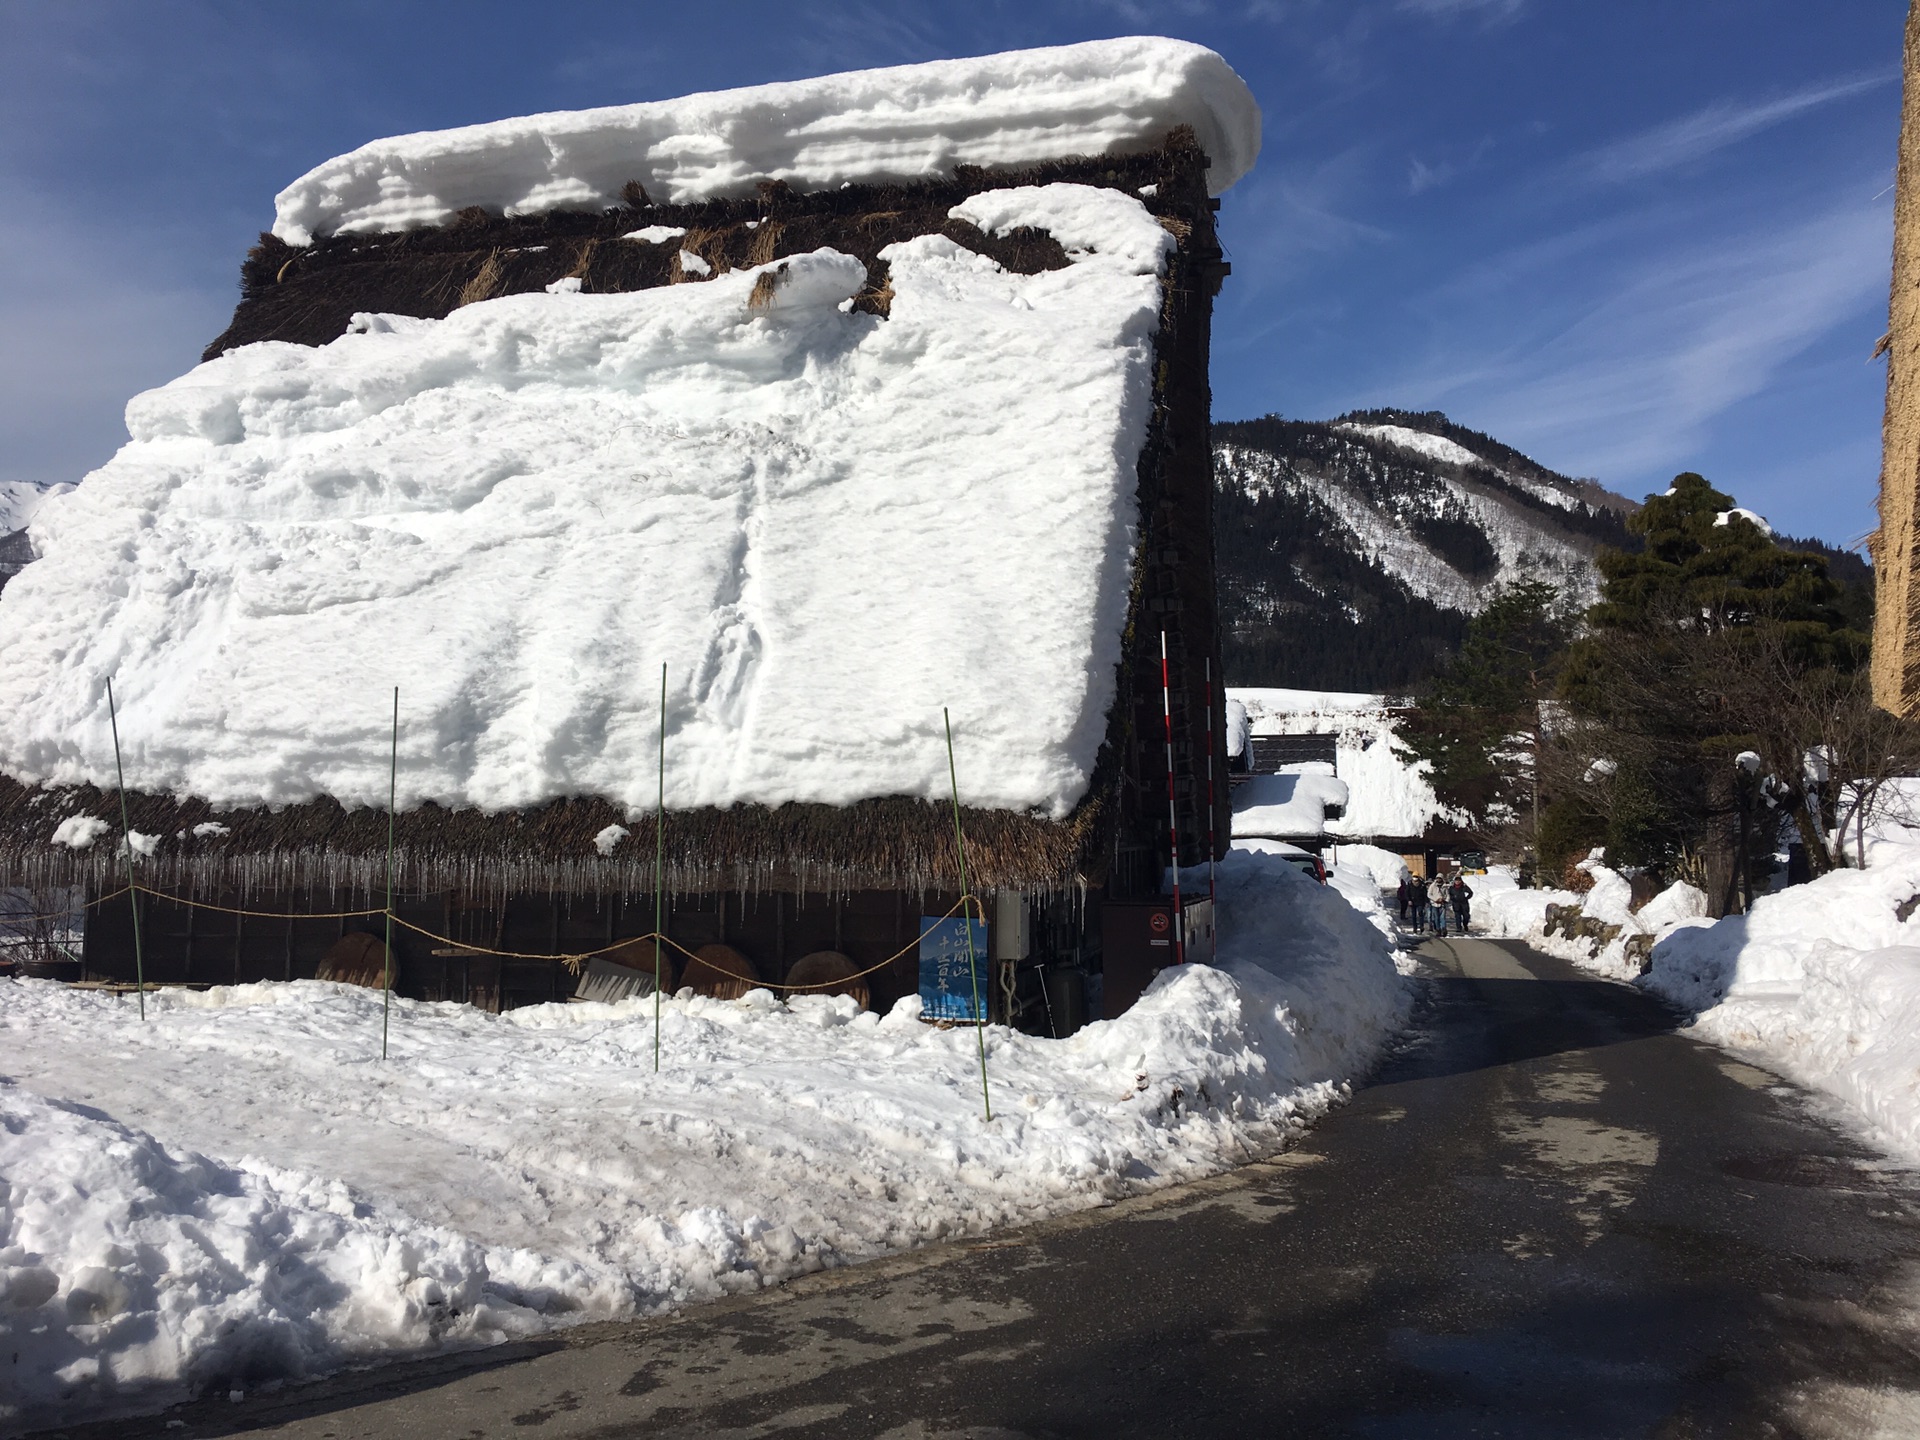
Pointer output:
x,y
1213,833
1173,813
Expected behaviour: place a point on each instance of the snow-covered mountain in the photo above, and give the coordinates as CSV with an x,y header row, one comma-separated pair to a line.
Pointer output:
x,y
19,501
1353,551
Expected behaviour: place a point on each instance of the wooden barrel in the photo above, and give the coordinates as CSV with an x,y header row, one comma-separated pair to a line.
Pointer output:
x,y
828,972
357,959
720,971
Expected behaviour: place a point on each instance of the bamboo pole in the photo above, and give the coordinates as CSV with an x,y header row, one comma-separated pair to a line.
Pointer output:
x,y
966,919
393,786
659,863
126,835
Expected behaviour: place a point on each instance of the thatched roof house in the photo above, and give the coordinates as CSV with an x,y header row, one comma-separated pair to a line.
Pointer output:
x,y
839,433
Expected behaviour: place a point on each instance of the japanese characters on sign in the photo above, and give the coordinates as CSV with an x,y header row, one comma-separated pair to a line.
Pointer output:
x,y
947,970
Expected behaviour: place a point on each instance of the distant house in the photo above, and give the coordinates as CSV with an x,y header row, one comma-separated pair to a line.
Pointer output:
x,y
1323,768
841,434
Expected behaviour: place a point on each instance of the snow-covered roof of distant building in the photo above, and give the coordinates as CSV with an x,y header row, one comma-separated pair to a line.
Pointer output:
x,y
1388,793
902,123
1268,703
1294,803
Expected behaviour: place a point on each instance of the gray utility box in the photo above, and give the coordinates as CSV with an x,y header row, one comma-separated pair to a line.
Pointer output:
x,y
1140,938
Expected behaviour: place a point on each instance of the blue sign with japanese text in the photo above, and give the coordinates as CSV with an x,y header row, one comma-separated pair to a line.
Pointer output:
x,y
948,971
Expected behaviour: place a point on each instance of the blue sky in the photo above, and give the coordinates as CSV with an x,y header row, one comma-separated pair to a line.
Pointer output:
x,y
1628,237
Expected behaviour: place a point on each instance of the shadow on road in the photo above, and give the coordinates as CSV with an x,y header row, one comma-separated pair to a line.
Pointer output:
x,y
1463,1024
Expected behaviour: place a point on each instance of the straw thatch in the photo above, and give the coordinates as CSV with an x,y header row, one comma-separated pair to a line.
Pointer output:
x,y
324,847
1117,835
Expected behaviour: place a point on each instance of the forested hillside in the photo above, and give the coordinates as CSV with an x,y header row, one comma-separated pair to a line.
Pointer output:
x,y
1352,552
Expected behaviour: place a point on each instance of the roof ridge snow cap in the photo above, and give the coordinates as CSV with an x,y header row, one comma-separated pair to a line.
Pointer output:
x,y
900,123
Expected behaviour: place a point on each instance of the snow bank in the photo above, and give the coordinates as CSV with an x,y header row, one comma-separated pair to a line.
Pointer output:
x,y
1384,867
1820,982
1502,908
502,1173
907,122
519,512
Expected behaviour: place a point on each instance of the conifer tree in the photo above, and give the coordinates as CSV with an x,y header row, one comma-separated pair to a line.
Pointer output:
x,y
1697,645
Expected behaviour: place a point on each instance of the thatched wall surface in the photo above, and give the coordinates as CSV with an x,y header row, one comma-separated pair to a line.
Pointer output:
x,y
891,843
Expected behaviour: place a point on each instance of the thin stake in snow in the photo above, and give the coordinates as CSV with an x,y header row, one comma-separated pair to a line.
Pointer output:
x,y
1213,833
393,786
126,832
1173,813
659,863
966,914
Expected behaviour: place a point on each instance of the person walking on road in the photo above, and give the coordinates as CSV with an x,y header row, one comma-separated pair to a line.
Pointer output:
x,y
1458,895
1437,906
1405,897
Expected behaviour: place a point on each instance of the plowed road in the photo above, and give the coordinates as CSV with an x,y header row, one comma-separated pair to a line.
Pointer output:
x,y
1549,1216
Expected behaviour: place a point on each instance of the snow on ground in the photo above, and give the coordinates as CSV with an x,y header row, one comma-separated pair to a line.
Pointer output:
x,y
907,122
240,1190
1385,867
743,494
1501,908
1820,982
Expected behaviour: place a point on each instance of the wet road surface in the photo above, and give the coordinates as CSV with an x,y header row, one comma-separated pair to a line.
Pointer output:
x,y
1549,1215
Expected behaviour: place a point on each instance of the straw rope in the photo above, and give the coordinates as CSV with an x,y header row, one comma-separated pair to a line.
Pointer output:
x,y
574,961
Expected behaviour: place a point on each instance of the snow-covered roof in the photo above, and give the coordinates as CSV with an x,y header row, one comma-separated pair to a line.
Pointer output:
x,y
1294,802
827,526
905,122
1388,793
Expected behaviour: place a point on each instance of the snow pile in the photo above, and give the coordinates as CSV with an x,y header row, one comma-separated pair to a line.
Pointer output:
x,y
505,1172
20,500
1387,789
124,1263
907,122
1501,908
1821,982
519,512
1292,803
1384,867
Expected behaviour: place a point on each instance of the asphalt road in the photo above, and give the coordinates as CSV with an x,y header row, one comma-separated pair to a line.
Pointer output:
x,y
1549,1216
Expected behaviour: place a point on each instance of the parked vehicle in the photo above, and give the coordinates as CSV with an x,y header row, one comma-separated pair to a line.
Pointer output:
x,y
1310,864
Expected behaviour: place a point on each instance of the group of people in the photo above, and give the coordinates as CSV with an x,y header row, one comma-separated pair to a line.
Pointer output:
x,y
1428,906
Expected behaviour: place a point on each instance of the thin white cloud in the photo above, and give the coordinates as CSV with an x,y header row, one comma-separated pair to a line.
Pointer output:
x,y
1716,126
1491,10
1630,387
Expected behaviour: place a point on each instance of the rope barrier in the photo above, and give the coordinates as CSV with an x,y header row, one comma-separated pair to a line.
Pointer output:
x,y
574,961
